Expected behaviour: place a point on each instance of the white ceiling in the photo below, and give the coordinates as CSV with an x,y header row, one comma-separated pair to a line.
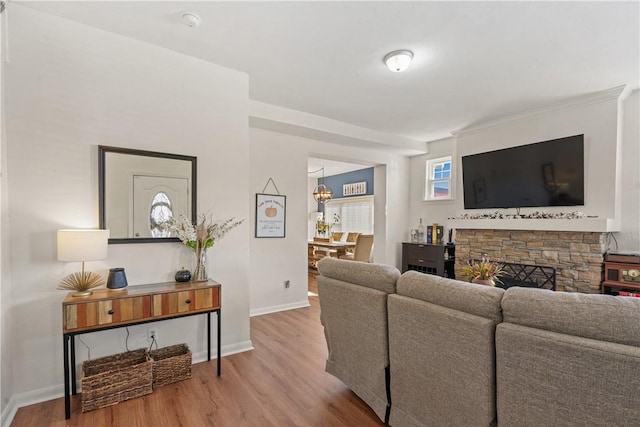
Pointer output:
x,y
474,61
331,167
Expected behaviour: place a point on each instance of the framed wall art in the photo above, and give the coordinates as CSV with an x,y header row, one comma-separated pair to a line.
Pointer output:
x,y
271,212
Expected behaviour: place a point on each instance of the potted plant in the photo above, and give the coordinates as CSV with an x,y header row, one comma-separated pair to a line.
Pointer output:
x,y
484,272
323,227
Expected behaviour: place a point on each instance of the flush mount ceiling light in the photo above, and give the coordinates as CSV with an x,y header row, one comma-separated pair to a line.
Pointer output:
x,y
398,60
190,19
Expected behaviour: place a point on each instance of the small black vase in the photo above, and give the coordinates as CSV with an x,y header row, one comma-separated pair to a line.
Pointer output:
x,y
117,279
183,275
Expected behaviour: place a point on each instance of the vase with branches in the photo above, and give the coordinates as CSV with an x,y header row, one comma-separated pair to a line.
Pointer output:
x,y
200,236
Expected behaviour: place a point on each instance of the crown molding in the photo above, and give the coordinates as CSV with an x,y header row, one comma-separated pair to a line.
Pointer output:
x,y
588,99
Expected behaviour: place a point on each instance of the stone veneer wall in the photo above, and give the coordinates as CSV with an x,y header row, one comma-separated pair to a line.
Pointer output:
x,y
578,256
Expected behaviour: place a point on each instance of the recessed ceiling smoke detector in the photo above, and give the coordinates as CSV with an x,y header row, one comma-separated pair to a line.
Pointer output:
x,y
190,19
398,60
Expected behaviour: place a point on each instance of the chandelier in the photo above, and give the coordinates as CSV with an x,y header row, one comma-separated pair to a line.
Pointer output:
x,y
322,193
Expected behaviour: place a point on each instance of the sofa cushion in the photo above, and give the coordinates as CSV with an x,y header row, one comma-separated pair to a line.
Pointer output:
x,y
375,276
441,351
568,359
549,379
442,365
599,317
480,300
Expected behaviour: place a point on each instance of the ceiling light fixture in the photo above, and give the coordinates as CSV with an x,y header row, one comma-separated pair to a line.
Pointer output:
x,y
398,60
322,193
190,19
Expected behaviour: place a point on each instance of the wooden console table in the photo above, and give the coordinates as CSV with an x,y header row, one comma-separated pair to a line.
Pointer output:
x,y
134,305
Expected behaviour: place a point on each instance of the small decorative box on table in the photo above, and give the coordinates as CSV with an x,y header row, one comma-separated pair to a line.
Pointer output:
x,y
113,379
171,364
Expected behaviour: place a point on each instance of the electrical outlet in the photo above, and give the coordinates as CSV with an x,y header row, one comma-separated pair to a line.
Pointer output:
x,y
287,284
152,333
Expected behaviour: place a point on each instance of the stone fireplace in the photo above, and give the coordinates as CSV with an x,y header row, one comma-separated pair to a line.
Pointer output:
x,y
577,255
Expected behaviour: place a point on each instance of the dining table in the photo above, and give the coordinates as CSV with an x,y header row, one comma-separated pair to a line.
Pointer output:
x,y
339,246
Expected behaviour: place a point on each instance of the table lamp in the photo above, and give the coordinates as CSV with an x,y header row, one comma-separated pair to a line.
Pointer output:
x,y
82,245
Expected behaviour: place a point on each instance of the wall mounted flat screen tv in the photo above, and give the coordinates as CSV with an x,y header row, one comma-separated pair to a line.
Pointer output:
x,y
548,173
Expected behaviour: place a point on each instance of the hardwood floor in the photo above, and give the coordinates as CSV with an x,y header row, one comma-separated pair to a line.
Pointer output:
x,y
280,383
313,283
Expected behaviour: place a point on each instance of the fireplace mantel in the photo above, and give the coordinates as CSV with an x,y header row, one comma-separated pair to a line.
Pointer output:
x,y
602,225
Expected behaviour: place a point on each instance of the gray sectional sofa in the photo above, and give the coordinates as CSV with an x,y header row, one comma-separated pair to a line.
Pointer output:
x,y
423,350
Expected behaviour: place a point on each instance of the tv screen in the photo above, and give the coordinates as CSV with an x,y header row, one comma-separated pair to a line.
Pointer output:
x,y
549,173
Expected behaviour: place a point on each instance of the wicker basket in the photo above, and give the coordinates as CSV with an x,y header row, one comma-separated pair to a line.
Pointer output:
x,y
113,379
171,364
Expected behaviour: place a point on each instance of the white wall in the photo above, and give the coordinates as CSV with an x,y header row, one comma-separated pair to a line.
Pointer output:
x,y
597,118
312,206
5,353
284,158
274,260
437,210
629,236
70,88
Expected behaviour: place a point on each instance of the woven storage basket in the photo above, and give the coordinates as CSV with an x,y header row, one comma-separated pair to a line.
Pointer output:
x,y
113,379
171,364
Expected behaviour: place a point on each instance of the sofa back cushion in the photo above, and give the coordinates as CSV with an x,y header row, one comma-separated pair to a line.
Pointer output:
x,y
479,300
374,276
568,359
599,317
441,351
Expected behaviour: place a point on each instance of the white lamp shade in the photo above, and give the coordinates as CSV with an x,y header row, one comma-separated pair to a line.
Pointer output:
x,y
398,60
82,245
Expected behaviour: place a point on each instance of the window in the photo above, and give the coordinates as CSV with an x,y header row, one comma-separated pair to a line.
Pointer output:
x,y
160,213
438,182
354,214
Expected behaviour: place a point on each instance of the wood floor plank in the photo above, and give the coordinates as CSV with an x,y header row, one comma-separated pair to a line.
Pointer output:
x,y
280,383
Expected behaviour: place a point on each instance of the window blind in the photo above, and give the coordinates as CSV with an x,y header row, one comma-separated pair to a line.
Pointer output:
x,y
356,214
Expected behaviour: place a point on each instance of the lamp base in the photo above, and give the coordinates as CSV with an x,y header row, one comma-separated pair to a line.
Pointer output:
x,y
81,294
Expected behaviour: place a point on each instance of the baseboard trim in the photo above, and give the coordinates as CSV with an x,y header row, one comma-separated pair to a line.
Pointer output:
x,y
9,413
45,394
226,351
277,308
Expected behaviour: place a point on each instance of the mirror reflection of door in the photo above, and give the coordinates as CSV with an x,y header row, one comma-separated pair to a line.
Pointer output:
x,y
157,199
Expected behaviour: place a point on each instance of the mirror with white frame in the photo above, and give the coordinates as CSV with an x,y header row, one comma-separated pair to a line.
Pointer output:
x,y
139,191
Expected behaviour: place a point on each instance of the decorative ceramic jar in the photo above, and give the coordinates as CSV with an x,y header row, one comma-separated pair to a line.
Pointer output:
x,y
183,275
117,279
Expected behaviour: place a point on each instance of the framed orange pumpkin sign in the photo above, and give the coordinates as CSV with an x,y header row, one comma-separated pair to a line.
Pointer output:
x,y
271,212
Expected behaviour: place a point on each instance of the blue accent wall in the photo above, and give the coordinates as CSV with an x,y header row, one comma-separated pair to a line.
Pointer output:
x,y
335,182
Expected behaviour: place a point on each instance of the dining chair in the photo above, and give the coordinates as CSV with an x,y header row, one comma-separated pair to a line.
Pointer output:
x,y
336,236
352,237
362,250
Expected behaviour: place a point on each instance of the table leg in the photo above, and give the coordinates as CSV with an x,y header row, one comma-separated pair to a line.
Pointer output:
x,y
73,365
209,336
219,341
67,397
